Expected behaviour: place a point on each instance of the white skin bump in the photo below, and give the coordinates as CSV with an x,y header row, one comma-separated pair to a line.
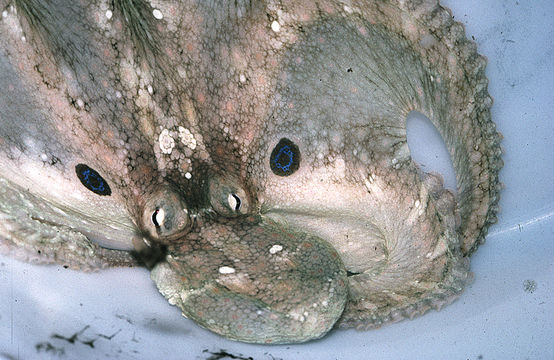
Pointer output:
x,y
226,270
187,138
166,142
275,26
157,14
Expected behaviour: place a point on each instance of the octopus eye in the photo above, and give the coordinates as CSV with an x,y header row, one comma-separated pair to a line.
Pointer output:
x,y
227,196
285,158
92,180
165,214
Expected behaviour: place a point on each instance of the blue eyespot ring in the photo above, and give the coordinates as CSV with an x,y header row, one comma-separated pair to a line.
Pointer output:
x,y
92,180
285,158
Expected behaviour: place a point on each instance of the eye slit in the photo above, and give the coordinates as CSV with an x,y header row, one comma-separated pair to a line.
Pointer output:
x,y
285,158
92,180
158,217
234,202
227,196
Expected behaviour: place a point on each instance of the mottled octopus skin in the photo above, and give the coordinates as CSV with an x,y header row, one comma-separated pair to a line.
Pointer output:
x,y
178,107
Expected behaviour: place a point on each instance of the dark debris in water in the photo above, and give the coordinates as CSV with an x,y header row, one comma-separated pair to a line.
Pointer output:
x,y
50,349
222,354
73,339
530,286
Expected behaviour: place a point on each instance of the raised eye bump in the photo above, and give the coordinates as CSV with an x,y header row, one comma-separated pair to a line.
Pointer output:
x,y
285,158
92,180
227,197
165,214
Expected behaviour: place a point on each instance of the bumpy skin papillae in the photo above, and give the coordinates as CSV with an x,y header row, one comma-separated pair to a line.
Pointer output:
x,y
179,110
228,279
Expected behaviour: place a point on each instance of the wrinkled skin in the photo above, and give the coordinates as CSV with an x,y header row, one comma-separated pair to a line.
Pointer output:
x,y
178,108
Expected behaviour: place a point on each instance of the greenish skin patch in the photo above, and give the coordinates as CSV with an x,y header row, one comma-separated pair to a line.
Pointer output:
x,y
179,110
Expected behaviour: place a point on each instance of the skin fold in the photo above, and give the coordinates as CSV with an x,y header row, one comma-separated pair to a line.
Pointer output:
x,y
253,155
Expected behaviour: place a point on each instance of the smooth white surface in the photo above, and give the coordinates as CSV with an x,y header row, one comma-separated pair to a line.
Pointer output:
x,y
427,148
494,319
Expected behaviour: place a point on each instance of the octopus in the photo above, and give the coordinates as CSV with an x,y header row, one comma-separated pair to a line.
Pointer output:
x,y
251,154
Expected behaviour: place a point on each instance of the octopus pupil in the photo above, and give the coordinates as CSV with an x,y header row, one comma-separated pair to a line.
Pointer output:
x,y
92,180
154,220
238,202
285,158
